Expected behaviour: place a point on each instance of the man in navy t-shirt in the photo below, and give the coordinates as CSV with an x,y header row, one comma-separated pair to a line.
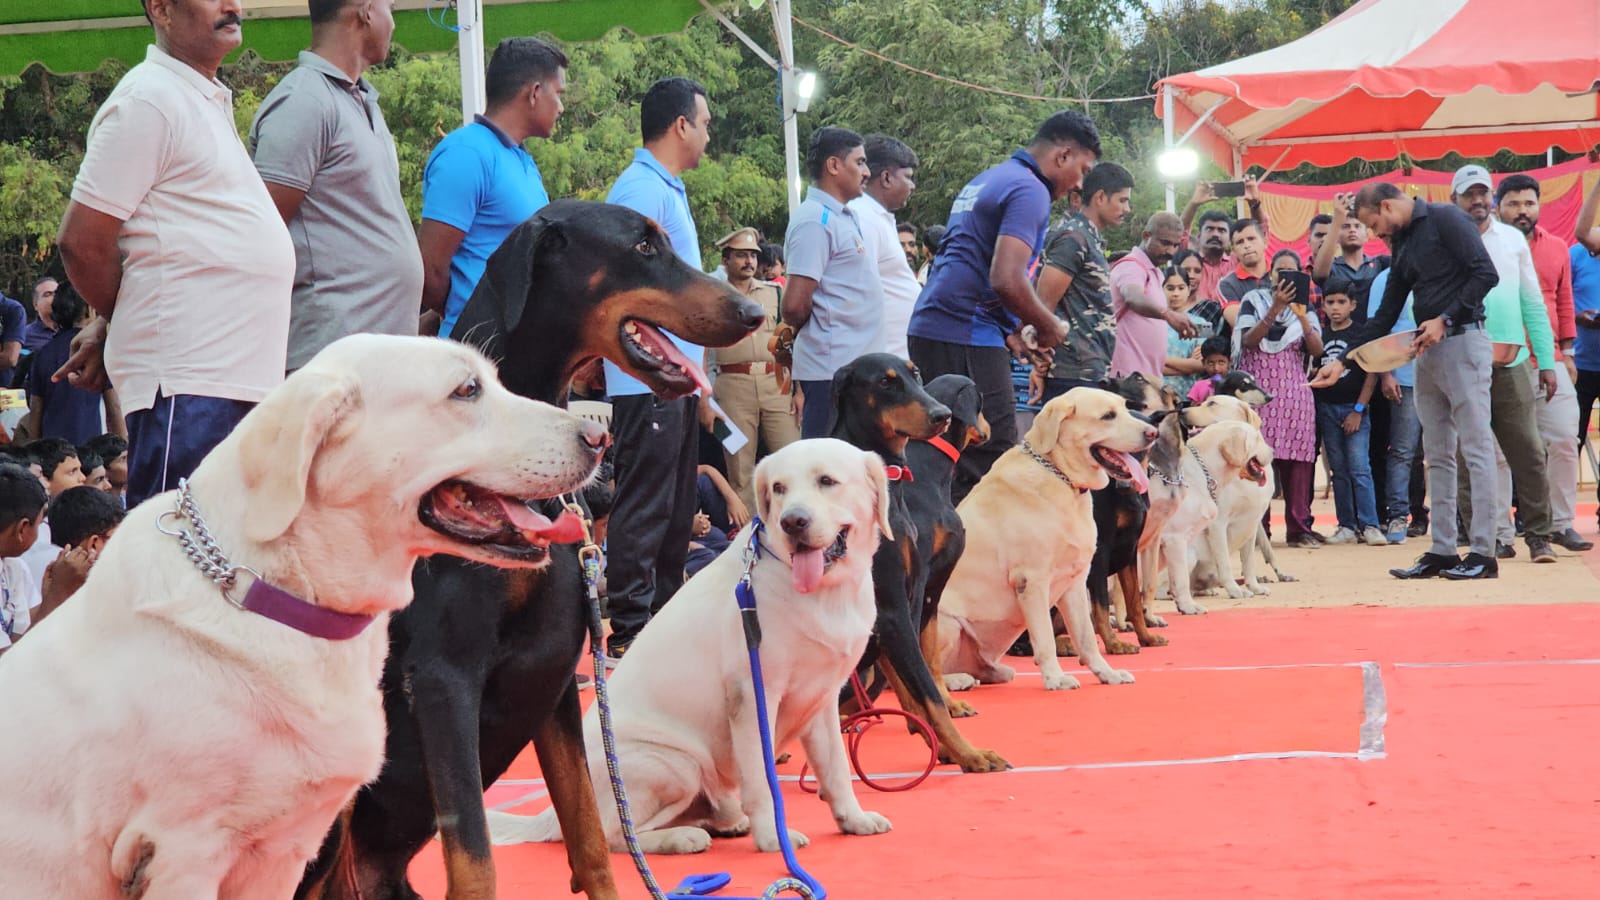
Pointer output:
x,y
57,409
979,294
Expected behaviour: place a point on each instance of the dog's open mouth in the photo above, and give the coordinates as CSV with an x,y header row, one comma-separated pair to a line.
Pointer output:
x,y
1121,466
658,362
508,526
809,563
1255,471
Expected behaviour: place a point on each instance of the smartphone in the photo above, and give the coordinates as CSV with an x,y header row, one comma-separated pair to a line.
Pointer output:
x,y
1302,286
1228,188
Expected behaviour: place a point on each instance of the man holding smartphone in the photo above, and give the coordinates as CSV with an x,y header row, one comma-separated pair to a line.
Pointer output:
x,y
1216,262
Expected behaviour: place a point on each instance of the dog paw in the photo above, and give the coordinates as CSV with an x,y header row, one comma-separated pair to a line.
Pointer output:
x,y
1060,682
1154,621
1115,676
1266,578
1121,624
683,839
980,761
1238,592
1064,648
1153,640
1206,592
735,829
999,673
959,681
1120,648
1257,590
863,822
1191,608
1286,578
961,709
767,840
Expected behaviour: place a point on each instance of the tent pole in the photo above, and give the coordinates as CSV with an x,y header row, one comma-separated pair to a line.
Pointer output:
x,y
1238,175
784,29
1166,134
469,21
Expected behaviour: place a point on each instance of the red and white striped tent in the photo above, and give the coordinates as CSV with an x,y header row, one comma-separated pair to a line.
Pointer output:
x,y
1420,77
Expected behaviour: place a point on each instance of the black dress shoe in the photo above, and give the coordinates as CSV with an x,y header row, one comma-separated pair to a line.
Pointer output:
x,y
1573,541
1473,566
1503,550
1539,550
1426,566
1419,528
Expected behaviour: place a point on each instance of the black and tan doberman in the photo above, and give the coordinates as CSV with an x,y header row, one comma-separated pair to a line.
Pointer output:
x,y
484,660
879,404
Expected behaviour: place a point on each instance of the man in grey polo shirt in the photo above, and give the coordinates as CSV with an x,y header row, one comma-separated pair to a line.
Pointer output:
x,y
834,298
324,151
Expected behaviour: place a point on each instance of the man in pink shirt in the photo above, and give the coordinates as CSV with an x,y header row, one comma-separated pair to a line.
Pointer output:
x,y
1139,303
1518,202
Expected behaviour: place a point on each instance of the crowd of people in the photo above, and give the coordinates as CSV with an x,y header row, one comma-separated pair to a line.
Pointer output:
x,y
200,269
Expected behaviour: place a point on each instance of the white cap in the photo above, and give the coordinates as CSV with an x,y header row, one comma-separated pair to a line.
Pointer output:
x,y
1470,176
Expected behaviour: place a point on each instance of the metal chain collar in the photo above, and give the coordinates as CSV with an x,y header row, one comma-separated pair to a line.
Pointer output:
x,y
1211,483
200,547
1049,466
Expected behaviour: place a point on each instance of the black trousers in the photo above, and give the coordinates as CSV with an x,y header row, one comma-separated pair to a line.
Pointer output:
x,y
1588,388
990,368
1378,452
657,448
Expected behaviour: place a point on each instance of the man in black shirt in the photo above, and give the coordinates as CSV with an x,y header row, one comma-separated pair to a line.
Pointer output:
x,y
1439,257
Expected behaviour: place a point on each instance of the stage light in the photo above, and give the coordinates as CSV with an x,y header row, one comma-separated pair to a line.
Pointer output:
x,y
1177,163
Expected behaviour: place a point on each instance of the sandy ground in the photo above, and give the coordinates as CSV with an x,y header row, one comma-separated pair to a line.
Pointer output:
x,y
1358,575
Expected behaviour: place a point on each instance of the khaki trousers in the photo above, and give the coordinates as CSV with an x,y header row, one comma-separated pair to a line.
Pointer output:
x,y
756,407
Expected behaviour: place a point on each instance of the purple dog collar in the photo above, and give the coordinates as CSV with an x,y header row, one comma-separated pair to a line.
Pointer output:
x,y
280,606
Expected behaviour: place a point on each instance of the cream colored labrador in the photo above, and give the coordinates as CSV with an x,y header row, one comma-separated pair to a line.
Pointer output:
x,y
1030,539
1234,409
1240,461
169,745
683,700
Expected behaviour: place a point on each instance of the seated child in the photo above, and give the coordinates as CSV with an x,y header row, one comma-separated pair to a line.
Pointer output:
x,y
22,502
94,470
113,451
81,520
1216,359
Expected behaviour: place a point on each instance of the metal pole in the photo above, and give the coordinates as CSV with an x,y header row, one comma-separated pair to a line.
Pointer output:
x,y
782,26
1167,129
469,21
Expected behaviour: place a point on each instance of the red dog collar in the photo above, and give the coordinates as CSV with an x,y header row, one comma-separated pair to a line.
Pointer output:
x,y
943,446
898,473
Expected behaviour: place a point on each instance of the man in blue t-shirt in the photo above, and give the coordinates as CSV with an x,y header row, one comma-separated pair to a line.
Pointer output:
x,y
13,327
979,295
480,183
59,409
1586,350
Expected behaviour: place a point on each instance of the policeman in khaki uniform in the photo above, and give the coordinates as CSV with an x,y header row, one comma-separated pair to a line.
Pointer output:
x,y
746,376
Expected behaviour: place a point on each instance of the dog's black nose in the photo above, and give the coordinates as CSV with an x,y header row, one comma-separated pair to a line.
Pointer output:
x,y
795,522
939,414
751,315
594,435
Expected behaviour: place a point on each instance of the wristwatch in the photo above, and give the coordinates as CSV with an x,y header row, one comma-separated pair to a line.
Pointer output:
x,y
1361,407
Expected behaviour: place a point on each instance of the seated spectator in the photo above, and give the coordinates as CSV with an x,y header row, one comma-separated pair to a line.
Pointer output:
x,y
57,409
94,470
113,451
81,520
721,513
59,464
1216,360
22,503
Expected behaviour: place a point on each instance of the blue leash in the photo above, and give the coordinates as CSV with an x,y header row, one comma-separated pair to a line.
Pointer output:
x,y
799,881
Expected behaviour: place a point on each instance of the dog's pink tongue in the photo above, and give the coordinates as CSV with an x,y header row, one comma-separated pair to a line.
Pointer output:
x,y
1140,479
808,566
670,352
566,529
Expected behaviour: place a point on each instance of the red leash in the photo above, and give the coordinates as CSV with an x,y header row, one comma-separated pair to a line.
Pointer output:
x,y
855,728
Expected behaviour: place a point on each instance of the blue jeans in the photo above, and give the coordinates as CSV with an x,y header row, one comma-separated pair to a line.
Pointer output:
x,y
1405,432
1353,499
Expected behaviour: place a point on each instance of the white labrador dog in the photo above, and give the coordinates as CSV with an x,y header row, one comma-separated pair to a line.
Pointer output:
x,y
682,699
1030,540
1240,462
170,745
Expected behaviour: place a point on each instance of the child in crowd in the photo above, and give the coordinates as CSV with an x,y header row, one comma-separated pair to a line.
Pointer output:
x,y
721,514
1184,364
81,520
22,502
113,451
1342,421
56,409
59,464
1216,360
94,470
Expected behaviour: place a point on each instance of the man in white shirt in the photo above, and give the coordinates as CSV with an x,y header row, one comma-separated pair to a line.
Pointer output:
x,y
172,235
893,166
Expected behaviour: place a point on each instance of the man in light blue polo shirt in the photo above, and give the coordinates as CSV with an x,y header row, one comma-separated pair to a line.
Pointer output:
x,y
979,292
479,183
835,297
657,441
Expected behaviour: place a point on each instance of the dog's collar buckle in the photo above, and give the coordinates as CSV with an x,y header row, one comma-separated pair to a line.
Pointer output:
x,y
262,598
898,473
1049,466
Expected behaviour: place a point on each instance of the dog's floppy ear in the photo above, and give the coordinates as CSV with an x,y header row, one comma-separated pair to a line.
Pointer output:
x,y
502,292
879,479
279,439
1235,447
763,490
1046,430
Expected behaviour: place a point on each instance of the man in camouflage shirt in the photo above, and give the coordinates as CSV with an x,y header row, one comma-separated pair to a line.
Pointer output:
x,y
1075,281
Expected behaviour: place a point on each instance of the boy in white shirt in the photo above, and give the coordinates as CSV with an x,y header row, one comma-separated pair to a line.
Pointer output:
x,y
22,501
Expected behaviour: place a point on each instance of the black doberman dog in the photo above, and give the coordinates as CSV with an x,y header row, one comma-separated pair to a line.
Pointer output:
x,y
941,538
879,404
1119,513
485,660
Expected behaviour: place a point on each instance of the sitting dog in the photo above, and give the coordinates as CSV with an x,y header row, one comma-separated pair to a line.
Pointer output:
x,y
1234,409
1237,459
185,736
687,737
1182,504
1031,538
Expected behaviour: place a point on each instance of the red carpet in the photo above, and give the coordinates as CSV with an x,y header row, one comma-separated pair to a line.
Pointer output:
x,y
1487,786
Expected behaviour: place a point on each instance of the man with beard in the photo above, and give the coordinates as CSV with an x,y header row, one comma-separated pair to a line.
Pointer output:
x,y
172,233
1518,200
1142,312
1215,228
746,385
1513,313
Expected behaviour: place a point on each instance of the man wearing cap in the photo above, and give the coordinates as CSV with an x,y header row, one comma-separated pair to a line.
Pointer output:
x,y
746,376
1514,314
